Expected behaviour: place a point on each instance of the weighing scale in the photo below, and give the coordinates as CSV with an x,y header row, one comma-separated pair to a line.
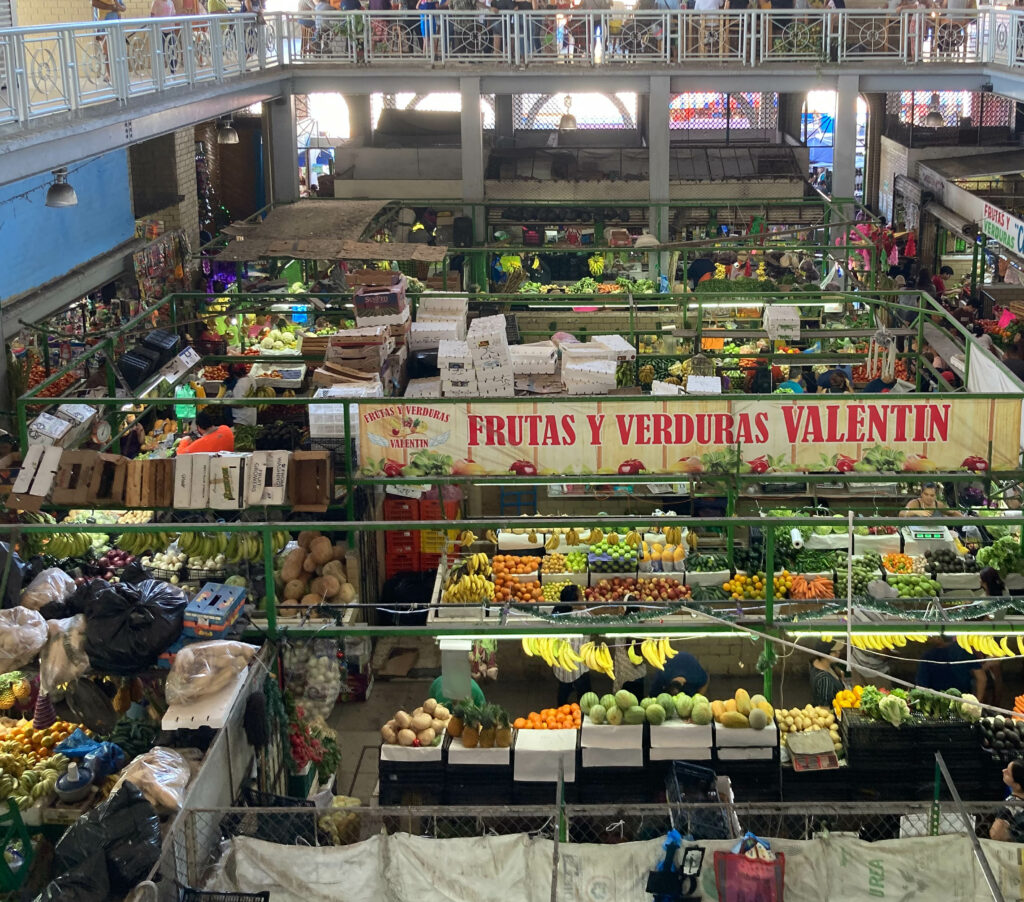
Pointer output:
x,y
919,539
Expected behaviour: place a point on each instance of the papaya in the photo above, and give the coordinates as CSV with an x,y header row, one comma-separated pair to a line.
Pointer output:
x,y
767,708
596,714
684,705
655,714
730,705
614,715
717,710
607,702
588,701
743,704
701,715
666,702
634,715
626,700
758,719
734,720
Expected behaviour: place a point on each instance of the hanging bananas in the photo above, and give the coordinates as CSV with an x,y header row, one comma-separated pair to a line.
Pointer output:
x,y
140,543
655,652
886,642
478,563
63,545
988,646
560,653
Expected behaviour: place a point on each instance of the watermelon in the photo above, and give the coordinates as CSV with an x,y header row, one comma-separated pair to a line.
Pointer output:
x,y
683,704
634,715
701,699
588,701
668,703
655,714
614,715
626,700
645,703
607,702
597,714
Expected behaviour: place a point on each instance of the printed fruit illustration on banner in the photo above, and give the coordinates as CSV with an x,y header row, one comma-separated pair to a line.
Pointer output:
x,y
689,435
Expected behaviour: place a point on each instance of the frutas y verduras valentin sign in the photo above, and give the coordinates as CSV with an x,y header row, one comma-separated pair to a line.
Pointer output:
x,y
624,436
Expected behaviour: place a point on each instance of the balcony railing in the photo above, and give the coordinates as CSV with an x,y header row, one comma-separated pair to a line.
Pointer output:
x,y
63,68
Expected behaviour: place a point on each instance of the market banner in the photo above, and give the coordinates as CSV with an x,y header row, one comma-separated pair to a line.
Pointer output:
x,y
629,436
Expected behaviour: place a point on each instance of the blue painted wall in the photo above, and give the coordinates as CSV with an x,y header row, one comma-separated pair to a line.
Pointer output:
x,y
39,243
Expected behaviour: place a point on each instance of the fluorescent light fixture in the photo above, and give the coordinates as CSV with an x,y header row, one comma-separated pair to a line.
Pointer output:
x,y
934,118
568,121
226,133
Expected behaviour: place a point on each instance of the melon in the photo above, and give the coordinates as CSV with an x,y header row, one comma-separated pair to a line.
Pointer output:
x,y
743,704
596,714
645,703
634,715
757,700
734,720
667,702
758,719
614,715
588,701
655,714
701,699
607,702
684,705
701,715
626,700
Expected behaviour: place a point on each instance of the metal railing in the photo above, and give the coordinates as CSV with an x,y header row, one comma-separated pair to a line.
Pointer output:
x,y
63,68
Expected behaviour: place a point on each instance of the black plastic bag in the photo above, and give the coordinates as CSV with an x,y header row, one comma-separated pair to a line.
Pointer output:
x,y
128,626
18,575
124,831
85,883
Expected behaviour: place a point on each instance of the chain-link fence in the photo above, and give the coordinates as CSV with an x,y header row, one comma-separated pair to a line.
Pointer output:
x,y
198,837
927,118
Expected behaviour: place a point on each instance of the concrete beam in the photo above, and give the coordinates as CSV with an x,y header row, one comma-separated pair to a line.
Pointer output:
x,y
283,143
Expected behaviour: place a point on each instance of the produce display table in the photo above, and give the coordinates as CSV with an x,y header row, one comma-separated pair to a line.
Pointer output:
x,y
411,775
477,776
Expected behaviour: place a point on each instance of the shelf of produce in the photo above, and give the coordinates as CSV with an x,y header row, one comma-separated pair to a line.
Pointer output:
x,y
407,774
291,375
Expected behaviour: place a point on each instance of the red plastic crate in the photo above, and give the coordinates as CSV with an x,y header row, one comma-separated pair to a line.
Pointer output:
x,y
430,509
402,542
429,561
401,508
401,563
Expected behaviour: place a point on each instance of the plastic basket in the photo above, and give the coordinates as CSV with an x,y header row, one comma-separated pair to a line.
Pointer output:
x,y
299,827
687,784
196,895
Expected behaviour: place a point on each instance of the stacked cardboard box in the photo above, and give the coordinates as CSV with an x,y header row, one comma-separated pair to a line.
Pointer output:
x,y
492,360
458,375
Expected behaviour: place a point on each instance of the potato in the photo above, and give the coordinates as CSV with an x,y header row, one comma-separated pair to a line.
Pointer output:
x,y
331,586
437,725
402,719
420,722
406,737
291,570
311,599
317,587
347,593
339,551
429,705
321,550
294,588
388,734
391,723
309,565
426,737
335,569
442,713
306,538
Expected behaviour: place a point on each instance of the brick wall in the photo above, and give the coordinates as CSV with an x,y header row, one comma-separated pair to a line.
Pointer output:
x,y
175,166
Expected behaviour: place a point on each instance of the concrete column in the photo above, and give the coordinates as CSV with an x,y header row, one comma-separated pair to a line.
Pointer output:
x,y
473,154
658,157
360,122
791,107
873,150
504,126
282,143
844,157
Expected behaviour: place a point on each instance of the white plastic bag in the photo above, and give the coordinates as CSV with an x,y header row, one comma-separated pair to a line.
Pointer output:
x,y
22,634
50,585
203,668
162,775
63,658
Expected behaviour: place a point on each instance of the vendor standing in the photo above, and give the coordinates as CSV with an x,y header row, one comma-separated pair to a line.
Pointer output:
x,y
945,665
926,504
682,673
211,439
239,384
826,683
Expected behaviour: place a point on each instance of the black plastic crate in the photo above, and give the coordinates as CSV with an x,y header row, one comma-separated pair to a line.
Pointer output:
x,y
136,366
615,785
916,741
528,793
816,785
293,827
754,781
405,783
163,342
478,785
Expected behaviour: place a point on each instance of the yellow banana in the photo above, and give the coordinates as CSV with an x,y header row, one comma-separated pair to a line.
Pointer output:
x,y
1020,644
634,658
1004,647
527,650
668,651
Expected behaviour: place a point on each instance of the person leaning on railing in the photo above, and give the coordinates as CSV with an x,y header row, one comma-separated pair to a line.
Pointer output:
x,y
1009,823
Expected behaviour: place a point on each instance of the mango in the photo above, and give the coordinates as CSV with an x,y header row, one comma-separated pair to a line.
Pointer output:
x,y
743,704
734,720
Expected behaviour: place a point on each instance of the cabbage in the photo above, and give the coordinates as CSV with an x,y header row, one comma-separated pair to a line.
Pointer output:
x,y
267,343
278,345
823,530
274,335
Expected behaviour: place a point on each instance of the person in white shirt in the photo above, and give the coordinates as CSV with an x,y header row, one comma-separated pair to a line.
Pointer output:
x,y
985,341
240,385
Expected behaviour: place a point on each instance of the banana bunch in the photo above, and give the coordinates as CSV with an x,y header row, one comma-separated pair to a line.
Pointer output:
x,y
32,542
204,545
595,538
554,540
246,547
140,543
478,563
25,785
673,535
595,263
988,645
559,652
633,539
885,643
598,658
654,651
468,589
264,391
67,544
466,538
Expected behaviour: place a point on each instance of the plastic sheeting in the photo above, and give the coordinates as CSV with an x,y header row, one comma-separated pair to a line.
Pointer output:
x,y
985,374
405,868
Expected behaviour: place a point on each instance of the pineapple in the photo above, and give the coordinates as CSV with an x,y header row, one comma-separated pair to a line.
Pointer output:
x,y
503,735
22,690
471,726
7,698
456,722
488,726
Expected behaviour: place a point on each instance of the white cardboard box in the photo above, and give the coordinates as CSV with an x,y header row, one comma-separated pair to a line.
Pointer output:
x,y
459,754
410,753
267,477
599,757
192,481
35,478
744,737
745,753
227,481
608,736
678,734
680,754
538,753
47,429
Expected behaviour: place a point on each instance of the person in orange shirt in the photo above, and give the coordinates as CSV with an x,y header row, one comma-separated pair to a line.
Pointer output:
x,y
212,438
